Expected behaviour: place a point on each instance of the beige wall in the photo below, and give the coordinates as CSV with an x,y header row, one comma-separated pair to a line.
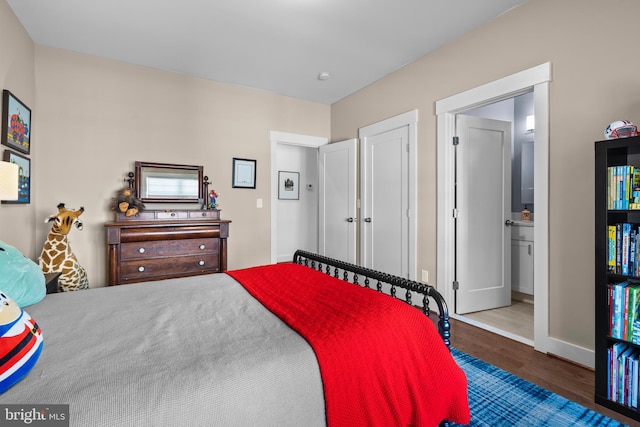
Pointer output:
x,y
97,116
92,118
595,81
17,75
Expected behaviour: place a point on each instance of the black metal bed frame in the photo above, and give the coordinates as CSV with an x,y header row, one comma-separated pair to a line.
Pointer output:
x,y
353,273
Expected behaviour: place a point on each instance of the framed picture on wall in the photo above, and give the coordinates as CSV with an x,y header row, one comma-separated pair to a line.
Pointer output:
x,y
24,176
288,185
16,123
244,173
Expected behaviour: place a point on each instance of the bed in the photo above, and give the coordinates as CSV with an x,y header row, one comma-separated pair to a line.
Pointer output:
x,y
277,345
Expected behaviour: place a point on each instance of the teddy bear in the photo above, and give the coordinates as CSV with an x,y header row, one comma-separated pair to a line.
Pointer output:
x,y
126,202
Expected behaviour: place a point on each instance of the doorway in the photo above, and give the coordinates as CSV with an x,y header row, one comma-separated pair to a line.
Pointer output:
x,y
535,79
516,299
284,239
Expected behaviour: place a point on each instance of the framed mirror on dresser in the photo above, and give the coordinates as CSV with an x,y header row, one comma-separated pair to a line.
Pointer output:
x,y
157,244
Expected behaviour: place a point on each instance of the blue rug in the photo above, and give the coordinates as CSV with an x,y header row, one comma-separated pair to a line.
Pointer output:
x,y
498,398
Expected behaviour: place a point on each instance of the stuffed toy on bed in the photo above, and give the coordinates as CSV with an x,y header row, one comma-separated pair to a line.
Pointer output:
x,y
20,343
20,277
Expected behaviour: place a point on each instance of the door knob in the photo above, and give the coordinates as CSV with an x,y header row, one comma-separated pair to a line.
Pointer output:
x,y
367,219
352,219
508,223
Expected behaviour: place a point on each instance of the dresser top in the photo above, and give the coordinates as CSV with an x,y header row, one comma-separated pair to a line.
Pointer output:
x,y
169,215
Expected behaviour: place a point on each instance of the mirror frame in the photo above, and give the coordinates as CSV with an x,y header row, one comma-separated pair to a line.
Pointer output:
x,y
139,166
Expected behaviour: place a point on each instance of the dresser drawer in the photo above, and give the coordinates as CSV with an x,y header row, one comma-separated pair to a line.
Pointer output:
x,y
168,248
145,269
205,214
157,245
144,234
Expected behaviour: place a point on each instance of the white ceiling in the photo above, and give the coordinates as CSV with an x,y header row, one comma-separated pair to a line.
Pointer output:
x,y
275,45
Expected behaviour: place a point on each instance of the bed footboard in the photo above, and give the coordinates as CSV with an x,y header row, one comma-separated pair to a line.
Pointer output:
x,y
371,278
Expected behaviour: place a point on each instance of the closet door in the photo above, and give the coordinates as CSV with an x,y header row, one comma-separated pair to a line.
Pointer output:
x,y
338,197
384,235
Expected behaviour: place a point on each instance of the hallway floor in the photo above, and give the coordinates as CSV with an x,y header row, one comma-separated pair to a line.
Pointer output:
x,y
516,319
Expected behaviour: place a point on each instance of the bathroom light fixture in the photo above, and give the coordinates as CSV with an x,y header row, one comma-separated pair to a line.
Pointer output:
x,y
9,181
324,76
531,123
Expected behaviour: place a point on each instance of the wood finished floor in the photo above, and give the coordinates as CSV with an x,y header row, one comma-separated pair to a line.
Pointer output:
x,y
516,318
557,375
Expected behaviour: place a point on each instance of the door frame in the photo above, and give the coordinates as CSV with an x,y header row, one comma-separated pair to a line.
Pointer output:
x,y
537,79
409,119
285,138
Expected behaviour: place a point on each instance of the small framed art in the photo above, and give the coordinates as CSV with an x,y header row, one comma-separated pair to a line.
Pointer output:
x,y
288,185
24,176
244,173
16,123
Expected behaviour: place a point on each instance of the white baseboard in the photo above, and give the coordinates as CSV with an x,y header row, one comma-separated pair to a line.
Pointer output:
x,y
572,352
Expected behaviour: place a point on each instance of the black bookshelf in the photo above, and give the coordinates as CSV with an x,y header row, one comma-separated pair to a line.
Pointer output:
x,y
618,152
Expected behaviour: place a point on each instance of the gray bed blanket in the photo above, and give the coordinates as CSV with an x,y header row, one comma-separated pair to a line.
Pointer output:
x,y
197,351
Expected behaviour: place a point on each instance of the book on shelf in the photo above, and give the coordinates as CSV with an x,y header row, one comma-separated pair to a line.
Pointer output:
x,y
624,187
633,305
611,249
626,245
623,249
624,311
622,375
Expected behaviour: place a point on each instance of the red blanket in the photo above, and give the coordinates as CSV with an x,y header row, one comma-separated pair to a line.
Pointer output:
x,y
382,362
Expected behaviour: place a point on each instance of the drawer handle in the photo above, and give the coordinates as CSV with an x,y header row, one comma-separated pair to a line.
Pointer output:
x,y
201,263
202,246
173,214
204,214
141,269
141,250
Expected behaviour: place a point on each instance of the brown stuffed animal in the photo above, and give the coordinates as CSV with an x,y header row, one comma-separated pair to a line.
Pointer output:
x,y
126,202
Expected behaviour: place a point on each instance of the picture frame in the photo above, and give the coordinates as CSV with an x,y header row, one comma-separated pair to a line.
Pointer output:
x,y
288,185
244,173
24,176
16,123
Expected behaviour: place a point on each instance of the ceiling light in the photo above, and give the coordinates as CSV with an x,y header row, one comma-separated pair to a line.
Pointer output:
x,y
324,75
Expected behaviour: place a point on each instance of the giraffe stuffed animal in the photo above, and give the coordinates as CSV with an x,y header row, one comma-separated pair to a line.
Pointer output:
x,y
57,257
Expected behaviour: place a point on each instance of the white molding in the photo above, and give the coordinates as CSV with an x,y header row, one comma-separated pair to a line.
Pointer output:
x,y
503,88
573,352
541,218
537,79
298,139
289,139
391,123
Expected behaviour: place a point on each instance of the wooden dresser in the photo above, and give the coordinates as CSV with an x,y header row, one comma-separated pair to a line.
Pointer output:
x,y
154,245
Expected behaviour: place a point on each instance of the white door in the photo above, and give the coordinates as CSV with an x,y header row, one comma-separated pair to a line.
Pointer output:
x,y
483,205
384,232
337,189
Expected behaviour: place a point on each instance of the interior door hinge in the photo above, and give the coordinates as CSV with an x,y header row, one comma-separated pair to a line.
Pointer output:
x,y
456,140
455,213
456,285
